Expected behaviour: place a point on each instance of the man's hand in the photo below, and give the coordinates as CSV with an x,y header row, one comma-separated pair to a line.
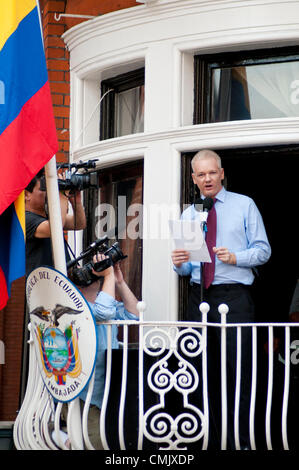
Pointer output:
x,y
224,255
119,278
76,220
75,198
106,272
179,257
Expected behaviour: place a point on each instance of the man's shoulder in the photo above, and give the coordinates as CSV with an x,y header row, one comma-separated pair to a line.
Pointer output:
x,y
32,222
33,216
232,196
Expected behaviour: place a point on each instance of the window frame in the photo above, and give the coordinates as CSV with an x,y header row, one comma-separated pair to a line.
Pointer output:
x,y
246,155
204,65
114,175
118,84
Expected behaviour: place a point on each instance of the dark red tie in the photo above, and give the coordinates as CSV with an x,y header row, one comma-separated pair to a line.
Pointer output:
x,y
209,268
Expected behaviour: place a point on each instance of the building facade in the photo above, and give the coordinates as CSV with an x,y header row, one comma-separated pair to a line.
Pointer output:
x,y
140,86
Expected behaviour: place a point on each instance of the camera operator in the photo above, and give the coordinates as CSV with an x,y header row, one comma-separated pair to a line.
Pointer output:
x,y
38,241
105,307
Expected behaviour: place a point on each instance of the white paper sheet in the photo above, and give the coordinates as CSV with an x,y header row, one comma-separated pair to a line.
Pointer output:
x,y
188,235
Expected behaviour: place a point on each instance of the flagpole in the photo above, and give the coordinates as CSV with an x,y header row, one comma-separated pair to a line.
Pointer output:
x,y
53,199
54,209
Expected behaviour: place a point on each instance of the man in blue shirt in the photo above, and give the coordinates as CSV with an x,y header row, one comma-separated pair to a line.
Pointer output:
x,y
241,242
105,307
241,245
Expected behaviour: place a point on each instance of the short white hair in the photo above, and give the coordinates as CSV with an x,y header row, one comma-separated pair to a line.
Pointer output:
x,y
205,154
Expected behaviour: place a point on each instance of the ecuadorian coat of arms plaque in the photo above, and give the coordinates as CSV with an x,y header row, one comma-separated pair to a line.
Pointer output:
x,y
63,330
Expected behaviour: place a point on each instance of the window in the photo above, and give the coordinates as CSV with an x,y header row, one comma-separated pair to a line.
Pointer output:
x,y
116,211
240,167
123,106
249,85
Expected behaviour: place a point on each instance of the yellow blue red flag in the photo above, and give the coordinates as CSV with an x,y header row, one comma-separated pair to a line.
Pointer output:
x,y
12,247
28,137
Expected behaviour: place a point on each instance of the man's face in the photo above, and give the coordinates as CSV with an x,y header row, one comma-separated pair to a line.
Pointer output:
x,y
208,176
35,201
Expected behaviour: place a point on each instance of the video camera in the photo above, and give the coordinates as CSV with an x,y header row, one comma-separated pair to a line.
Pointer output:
x,y
75,181
84,276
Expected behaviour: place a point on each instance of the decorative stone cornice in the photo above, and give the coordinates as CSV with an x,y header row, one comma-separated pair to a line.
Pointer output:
x,y
176,9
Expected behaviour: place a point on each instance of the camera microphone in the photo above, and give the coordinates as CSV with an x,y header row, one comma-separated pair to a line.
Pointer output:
x,y
203,206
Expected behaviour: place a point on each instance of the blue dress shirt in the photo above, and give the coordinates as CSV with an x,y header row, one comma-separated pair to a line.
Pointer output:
x,y
105,308
240,228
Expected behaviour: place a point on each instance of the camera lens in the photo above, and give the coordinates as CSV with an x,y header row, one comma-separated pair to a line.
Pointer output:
x,y
115,253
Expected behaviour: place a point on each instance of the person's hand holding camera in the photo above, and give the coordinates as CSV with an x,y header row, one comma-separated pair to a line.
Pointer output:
x,y
106,272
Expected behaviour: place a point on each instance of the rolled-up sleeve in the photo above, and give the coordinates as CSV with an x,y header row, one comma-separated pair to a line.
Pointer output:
x,y
123,314
104,307
107,308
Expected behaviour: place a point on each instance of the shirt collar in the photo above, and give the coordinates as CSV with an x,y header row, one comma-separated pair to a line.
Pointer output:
x,y
219,196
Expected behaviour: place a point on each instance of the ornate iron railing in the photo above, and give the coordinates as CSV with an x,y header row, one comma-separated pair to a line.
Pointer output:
x,y
157,394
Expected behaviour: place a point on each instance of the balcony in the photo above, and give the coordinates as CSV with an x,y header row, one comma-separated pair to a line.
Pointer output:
x,y
158,397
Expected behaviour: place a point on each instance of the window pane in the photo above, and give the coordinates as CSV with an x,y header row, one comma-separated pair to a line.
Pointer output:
x,y
255,91
116,211
129,111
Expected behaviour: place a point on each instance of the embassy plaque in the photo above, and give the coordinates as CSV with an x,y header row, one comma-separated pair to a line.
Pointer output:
x,y
63,330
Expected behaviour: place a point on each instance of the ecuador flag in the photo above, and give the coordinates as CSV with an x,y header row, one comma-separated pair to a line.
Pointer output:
x,y
12,247
27,129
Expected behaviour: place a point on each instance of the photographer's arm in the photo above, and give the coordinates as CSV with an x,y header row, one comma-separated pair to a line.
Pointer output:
x,y
104,306
128,298
108,274
76,220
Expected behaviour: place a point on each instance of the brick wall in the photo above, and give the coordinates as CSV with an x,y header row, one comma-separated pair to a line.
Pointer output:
x,y
11,333
58,71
